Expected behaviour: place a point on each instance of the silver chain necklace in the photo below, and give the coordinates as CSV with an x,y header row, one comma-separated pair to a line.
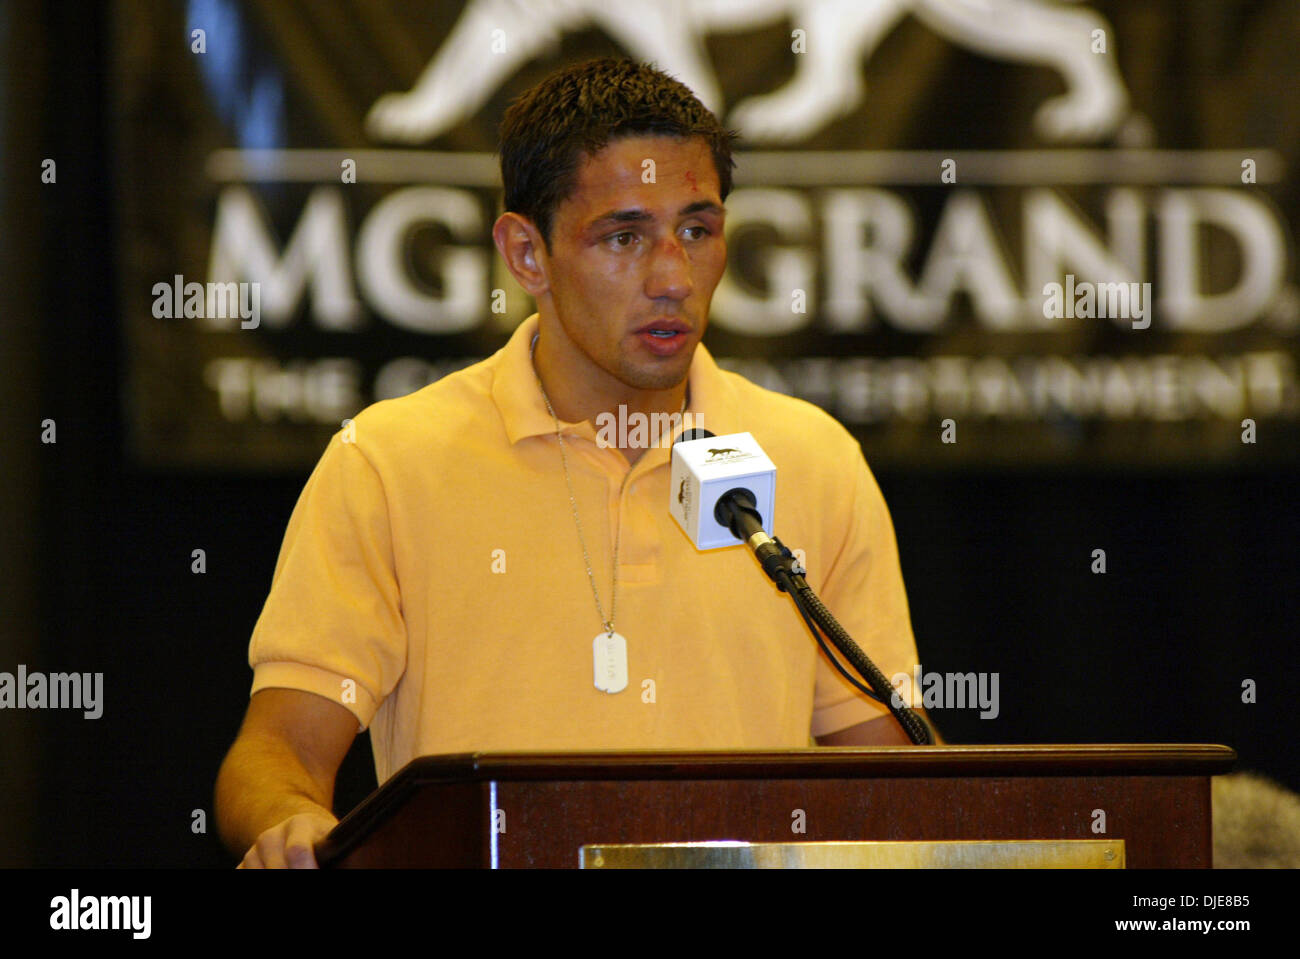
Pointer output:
x,y
609,649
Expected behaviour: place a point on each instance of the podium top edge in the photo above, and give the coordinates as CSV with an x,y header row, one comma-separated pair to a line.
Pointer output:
x,y
831,762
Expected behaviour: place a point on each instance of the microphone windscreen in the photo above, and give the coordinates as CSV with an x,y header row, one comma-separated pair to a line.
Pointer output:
x,y
703,472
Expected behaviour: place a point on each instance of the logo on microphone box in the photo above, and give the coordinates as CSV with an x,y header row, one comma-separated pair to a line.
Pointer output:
x,y
728,455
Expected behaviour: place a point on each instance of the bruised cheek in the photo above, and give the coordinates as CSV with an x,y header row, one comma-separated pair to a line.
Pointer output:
x,y
610,273
710,267
589,272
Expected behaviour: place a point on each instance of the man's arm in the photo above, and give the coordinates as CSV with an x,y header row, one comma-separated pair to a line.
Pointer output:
x,y
275,790
884,731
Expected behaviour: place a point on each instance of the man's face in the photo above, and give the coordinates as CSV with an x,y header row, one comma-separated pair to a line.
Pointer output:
x,y
633,264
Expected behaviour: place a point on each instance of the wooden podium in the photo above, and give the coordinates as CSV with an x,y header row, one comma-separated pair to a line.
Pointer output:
x,y
897,805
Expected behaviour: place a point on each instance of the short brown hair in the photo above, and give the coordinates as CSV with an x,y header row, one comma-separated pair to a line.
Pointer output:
x,y
577,111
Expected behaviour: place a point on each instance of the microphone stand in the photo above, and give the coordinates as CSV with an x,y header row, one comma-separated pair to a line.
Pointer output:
x,y
735,510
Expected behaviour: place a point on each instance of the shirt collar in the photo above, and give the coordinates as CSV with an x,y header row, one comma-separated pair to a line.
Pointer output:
x,y
518,396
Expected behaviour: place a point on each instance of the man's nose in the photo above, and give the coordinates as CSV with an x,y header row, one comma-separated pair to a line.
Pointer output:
x,y
670,270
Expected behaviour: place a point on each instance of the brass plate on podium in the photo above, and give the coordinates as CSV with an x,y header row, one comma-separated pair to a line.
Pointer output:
x,y
963,854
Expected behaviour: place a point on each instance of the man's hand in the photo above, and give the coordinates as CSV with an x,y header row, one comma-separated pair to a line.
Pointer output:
x,y
289,845
275,790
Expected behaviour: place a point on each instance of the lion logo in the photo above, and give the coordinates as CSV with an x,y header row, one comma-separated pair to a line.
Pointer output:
x,y
494,38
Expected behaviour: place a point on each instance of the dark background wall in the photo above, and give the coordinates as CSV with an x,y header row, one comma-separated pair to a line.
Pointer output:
x,y
1199,592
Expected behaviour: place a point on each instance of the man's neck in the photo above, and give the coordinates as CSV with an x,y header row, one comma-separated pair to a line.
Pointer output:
x,y
575,403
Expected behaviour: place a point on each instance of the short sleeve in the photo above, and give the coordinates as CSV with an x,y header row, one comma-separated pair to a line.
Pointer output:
x,y
864,589
332,623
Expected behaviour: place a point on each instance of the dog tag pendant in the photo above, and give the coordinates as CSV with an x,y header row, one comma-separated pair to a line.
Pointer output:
x,y
609,653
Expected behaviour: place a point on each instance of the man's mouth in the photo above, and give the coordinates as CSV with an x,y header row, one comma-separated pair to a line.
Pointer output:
x,y
664,338
666,329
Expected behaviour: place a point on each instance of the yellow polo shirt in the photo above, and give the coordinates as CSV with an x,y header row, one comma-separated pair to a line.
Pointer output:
x,y
432,582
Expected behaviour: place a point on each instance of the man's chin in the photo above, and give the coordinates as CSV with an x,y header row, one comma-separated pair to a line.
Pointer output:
x,y
666,376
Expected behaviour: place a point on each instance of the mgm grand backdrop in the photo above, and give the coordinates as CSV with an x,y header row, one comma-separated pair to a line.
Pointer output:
x,y
1039,257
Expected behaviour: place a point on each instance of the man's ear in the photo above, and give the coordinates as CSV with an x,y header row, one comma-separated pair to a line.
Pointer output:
x,y
520,245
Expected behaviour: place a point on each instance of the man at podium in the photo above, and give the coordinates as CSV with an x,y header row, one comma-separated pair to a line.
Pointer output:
x,y
489,563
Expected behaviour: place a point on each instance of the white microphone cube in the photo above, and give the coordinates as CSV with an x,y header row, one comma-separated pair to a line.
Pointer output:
x,y
705,470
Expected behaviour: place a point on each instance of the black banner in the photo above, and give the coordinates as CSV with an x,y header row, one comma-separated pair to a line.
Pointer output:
x,y
980,232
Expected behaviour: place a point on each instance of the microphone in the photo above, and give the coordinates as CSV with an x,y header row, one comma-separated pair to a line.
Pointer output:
x,y
726,479
723,488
